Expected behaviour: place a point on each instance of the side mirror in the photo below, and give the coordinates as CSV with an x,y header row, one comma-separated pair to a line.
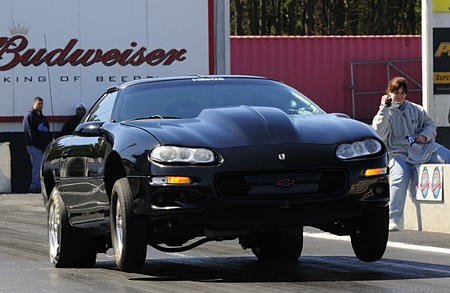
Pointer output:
x,y
89,129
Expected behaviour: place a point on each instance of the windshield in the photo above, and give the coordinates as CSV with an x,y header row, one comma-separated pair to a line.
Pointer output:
x,y
187,98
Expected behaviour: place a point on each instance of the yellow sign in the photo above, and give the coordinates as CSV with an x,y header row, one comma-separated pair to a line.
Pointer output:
x,y
441,5
444,48
441,77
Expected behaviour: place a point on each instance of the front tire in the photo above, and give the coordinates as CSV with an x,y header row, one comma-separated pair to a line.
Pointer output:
x,y
127,231
278,245
369,240
66,248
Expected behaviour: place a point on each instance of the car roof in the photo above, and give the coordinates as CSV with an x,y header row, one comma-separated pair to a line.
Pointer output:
x,y
185,77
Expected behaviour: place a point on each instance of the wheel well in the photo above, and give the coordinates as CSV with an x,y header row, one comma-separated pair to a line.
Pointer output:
x,y
49,182
114,170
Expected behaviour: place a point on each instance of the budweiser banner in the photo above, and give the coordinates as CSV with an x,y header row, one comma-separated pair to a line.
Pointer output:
x,y
71,51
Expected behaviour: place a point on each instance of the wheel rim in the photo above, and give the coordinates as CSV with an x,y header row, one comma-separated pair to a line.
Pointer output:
x,y
54,231
119,228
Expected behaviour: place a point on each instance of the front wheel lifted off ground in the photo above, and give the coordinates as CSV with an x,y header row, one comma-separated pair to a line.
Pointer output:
x,y
127,231
370,238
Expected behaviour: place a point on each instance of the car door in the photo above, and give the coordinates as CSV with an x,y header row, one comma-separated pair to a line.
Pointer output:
x,y
82,168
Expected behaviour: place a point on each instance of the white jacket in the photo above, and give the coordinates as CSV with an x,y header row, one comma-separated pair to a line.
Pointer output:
x,y
394,126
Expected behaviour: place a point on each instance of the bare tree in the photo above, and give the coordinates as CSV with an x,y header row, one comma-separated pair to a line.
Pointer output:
x,y
279,21
254,17
264,30
239,13
292,17
339,17
310,30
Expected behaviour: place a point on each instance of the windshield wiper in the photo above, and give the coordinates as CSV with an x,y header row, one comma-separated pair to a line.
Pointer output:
x,y
151,117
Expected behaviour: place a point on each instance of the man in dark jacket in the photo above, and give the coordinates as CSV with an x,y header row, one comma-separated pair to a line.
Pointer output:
x,y
37,137
72,123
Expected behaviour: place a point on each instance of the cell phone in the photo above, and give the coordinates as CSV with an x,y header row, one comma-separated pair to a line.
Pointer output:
x,y
388,102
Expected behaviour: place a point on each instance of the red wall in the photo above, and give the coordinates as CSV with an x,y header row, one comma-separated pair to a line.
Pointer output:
x,y
319,66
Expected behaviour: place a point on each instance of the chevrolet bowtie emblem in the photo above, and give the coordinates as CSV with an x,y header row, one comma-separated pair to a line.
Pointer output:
x,y
282,156
285,182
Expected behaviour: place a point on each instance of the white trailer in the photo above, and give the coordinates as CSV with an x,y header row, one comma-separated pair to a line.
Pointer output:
x,y
71,51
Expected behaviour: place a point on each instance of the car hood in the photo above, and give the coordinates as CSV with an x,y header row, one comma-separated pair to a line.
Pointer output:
x,y
244,126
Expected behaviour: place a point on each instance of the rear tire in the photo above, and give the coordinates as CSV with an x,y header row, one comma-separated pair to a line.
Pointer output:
x,y
66,248
278,245
127,231
369,240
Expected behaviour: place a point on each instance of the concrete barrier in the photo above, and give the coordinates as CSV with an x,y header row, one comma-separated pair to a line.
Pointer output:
x,y
5,168
428,208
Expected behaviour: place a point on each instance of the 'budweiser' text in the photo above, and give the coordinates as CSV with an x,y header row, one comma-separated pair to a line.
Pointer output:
x,y
15,50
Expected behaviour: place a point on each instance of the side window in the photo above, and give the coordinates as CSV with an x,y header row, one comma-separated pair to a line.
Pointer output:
x,y
103,110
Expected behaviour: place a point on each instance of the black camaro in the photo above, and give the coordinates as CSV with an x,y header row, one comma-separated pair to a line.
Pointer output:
x,y
176,162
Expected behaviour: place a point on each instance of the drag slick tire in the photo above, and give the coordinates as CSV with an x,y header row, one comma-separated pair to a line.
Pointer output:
x,y
127,231
369,240
67,249
278,245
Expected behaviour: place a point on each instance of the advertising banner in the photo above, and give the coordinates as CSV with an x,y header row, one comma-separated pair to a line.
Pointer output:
x,y
430,182
69,52
441,61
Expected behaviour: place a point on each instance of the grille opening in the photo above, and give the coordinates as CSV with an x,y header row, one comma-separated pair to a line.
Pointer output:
x,y
297,183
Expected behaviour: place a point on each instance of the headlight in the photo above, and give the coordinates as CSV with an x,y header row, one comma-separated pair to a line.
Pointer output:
x,y
358,148
172,154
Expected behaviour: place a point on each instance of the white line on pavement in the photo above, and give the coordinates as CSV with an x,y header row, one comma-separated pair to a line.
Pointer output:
x,y
390,244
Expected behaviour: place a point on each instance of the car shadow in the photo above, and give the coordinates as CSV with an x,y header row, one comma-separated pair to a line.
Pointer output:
x,y
307,269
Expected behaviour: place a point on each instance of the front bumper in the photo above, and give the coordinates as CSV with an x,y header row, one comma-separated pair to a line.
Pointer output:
x,y
201,205
309,187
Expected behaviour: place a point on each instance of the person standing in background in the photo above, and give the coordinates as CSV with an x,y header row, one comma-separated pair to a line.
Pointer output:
x,y
70,125
409,135
37,137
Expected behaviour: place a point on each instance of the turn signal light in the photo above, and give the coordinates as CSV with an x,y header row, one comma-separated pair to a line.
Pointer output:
x,y
375,171
178,180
